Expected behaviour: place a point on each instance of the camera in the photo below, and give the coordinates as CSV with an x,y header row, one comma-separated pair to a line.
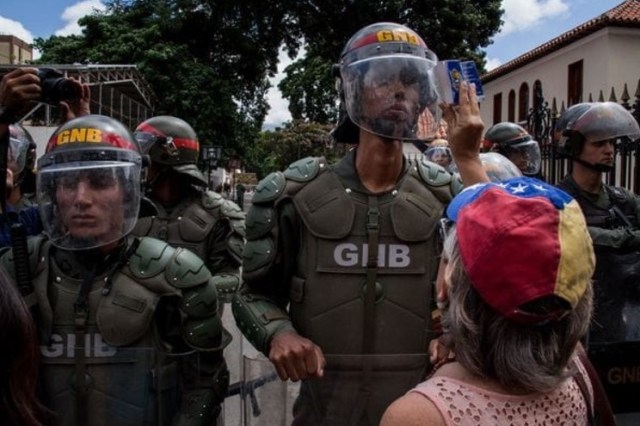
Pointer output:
x,y
55,87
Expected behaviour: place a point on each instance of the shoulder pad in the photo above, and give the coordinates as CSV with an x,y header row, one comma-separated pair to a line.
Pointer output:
x,y
456,185
231,210
150,258
303,170
200,301
269,188
257,254
205,334
433,174
260,220
186,269
211,200
238,225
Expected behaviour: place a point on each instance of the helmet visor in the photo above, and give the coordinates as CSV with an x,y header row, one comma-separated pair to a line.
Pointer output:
x,y
440,155
386,95
88,205
606,120
525,155
17,155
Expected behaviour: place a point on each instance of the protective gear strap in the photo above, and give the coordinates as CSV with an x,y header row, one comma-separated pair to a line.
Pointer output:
x,y
369,315
81,313
597,167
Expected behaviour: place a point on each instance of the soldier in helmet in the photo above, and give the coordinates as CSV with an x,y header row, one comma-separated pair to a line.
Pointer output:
x,y
339,260
22,157
129,328
515,143
439,153
188,215
588,134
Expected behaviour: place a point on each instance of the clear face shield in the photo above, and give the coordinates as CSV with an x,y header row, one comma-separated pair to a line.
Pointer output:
x,y
605,121
391,95
497,166
85,205
525,155
17,155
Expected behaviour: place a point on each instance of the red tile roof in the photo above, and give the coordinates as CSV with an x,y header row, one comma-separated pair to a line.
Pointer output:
x,y
626,14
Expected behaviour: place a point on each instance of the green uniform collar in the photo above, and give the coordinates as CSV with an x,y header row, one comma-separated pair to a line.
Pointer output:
x,y
345,169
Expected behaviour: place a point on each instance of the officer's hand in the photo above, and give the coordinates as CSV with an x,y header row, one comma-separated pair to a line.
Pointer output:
x,y
465,134
77,107
18,88
296,357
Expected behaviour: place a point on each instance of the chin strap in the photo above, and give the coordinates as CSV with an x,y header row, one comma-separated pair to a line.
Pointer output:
x,y
597,167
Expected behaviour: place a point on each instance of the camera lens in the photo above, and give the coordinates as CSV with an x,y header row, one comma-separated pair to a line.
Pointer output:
x,y
55,87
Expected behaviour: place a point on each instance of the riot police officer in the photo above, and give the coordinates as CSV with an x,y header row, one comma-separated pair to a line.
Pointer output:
x,y
339,259
515,143
188,215
588,135
22,157
129,327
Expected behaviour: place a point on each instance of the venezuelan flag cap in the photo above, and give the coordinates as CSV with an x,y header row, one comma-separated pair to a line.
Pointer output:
x,y
522,240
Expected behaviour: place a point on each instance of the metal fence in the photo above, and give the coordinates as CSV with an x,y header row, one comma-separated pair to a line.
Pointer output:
x,y
542,119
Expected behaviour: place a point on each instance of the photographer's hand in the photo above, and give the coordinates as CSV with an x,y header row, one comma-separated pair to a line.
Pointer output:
x,y
17,89
77,107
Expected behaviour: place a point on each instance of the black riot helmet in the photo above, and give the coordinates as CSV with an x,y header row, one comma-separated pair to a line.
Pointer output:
x,y
594,122
515,143
384,65
172,142
88,183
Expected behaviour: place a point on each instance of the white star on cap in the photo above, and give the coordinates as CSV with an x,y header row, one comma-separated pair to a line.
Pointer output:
x,y
502,185
540,187
518,189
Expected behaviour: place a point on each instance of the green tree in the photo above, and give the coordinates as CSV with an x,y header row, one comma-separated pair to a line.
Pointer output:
x,y
208,62
275,150
451,28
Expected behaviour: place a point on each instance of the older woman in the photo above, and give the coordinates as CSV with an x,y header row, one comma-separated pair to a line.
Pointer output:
x,y
515,299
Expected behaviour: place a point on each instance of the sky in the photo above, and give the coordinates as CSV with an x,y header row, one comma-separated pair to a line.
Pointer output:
x,y
527,24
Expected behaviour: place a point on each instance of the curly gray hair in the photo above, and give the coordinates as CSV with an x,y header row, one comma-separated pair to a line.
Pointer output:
x,y
528,358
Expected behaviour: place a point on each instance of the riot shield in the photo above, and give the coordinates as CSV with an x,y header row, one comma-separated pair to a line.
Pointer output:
x,y
120,386
266,400
355,390
614,336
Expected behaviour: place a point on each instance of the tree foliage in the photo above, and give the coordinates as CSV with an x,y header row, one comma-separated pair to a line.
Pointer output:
x,y
451,28
208,62
275,150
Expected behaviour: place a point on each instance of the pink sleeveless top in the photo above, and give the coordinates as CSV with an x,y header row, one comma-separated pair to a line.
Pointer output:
x,y
463,404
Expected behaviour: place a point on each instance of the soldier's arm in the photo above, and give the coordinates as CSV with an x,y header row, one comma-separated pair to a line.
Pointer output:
x,y
201,338
623,239
626,239
225,246
269,257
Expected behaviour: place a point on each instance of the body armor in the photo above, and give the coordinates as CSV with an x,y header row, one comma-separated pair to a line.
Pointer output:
x,y
207,225
614,336
152,337
329,290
